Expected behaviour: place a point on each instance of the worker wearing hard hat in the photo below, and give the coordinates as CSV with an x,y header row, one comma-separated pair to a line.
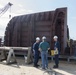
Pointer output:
x,y
57,50
36,52
44,47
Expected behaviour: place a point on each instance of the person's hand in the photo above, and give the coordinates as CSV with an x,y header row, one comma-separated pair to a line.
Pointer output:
x,y
48,48
40,49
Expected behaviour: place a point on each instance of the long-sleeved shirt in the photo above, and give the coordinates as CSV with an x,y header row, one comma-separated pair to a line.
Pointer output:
x,y
57,45
36,47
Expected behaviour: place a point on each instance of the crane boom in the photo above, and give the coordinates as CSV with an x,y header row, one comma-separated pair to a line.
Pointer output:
x,y
3,10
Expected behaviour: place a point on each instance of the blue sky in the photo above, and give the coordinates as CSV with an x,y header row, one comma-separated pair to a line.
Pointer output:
x,y
31,6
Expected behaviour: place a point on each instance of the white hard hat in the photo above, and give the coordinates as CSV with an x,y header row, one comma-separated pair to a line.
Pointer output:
x,y
43,37
55,37
37,38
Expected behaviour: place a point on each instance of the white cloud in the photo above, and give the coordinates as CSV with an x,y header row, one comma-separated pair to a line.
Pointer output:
x,y
20,5
30,11
20,11
24,11
3,23
1,6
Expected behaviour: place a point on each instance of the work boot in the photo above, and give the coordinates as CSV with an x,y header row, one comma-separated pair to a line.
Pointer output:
x,y
43,69
55,66
38,65
46,67
35,66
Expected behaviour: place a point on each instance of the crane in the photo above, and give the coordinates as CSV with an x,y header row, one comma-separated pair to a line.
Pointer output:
x,y
3,10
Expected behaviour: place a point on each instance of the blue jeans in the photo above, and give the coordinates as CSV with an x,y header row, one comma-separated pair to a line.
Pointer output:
x,y
44,57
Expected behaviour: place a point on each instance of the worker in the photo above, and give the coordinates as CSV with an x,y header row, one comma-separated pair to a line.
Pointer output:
x,y
44,47
36,52
56,51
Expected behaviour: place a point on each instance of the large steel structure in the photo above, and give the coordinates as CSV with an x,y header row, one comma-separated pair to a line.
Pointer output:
x,y
21,31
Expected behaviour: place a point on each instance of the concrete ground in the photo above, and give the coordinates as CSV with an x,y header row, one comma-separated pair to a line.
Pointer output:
x,y
21,68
